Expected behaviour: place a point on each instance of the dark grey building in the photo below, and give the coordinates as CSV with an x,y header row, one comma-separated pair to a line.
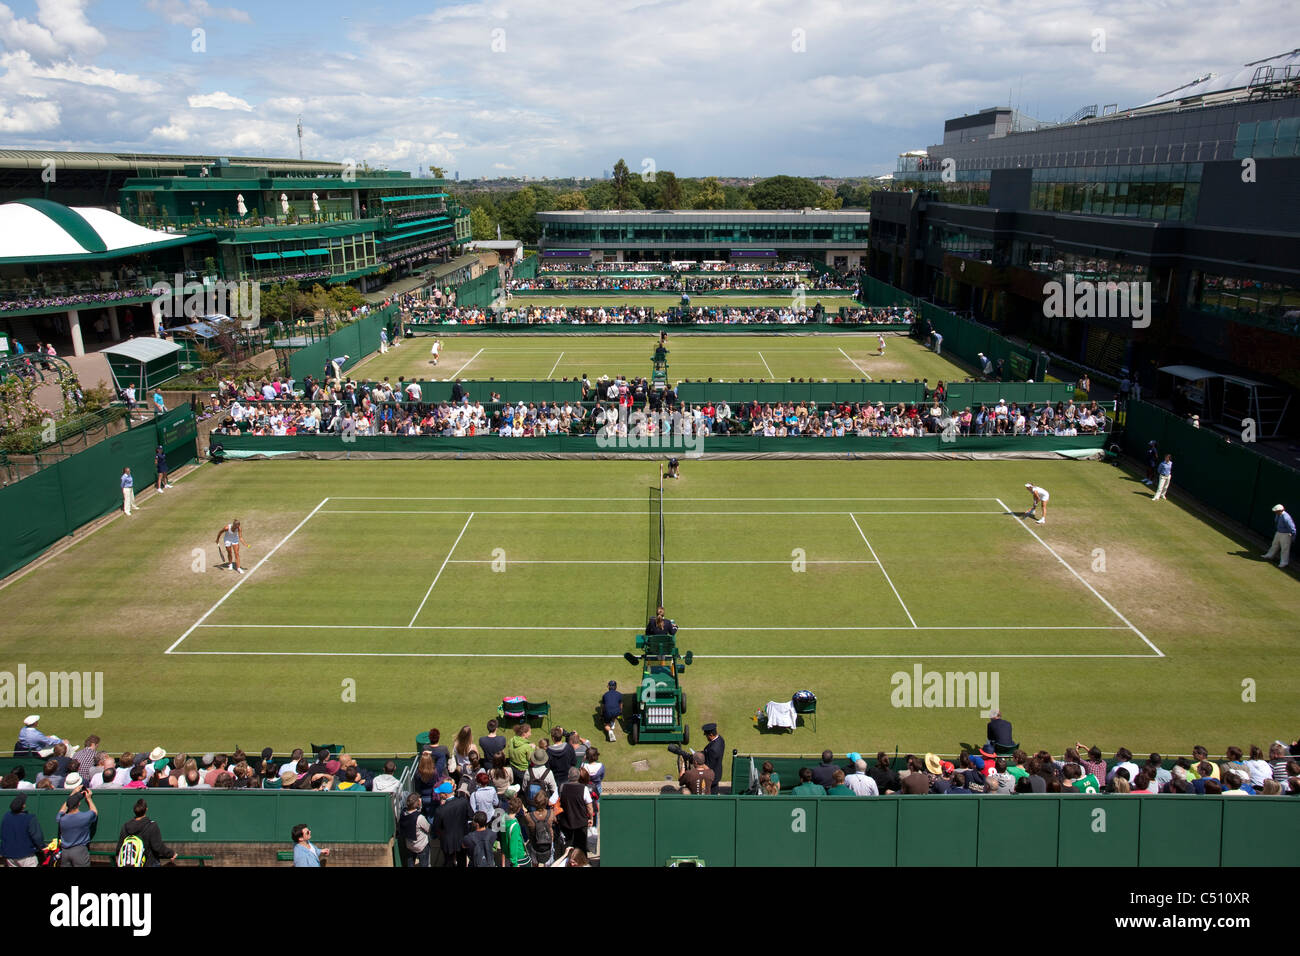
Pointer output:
x,y
1196,192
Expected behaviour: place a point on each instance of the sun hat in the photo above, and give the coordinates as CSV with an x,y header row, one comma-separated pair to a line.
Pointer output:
x,y
1279,508
31,720
538,758
156,754
72,781
933,764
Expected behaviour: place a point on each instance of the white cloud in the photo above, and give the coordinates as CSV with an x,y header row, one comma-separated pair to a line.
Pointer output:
x,y
172,133
35,116
62,29
220,100
194,13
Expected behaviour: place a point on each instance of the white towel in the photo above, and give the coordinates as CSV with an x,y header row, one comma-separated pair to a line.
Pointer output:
x,y
781,714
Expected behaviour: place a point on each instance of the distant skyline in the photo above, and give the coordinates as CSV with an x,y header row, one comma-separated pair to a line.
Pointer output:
x,y
731,88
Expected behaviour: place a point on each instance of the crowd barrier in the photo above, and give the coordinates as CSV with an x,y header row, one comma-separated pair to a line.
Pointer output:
x,y
355,340
527,269
480,292
1225,475
233,816
510,391
60,498
587,445
963,832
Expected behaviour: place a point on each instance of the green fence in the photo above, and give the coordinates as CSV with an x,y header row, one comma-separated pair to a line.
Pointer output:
x,y
527,269
233,816
479,292
355,340
974,394
587,445
961,337
54,502
509,390
967,831
737,393
1227,476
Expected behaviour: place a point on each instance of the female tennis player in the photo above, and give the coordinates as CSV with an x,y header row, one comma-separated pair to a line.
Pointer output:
x,y
231,538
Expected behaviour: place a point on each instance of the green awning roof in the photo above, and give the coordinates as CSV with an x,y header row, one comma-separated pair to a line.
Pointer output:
x,y
262,256
408,198
317,252
418,232
354,274
292,254
420,222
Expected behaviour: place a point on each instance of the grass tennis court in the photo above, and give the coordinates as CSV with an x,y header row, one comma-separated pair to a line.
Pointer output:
x,y
437,587
831,301
841,357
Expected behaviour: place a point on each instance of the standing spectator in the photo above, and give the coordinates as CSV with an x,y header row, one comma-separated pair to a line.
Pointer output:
x,y
478,844
159,406
74,828
306,853
560,755
128,396
441,755
1165,473
21,838
463,749
149,834
540,821
160,464
492,744
88,757
1283,537
128,491
519,750
576,804
513,844
713,754
414,828
450,824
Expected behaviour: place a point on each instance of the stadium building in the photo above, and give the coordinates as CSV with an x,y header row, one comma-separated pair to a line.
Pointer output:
x,y
833,237
206,219
1196,192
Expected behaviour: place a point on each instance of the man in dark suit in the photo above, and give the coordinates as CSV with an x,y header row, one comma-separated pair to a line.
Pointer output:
x,y
999,731
451,824
824,772
713,752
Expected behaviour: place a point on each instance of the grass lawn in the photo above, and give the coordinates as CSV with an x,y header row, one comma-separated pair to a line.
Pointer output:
x,y
436,587
726,356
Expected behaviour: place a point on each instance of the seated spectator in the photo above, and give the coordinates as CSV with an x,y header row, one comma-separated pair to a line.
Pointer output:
x,y
807,787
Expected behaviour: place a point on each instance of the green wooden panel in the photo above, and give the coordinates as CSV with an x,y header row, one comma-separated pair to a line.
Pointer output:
x,y
1099,831
1260,831
776,831
695,826
1018,832
937,831
857,832
627,831
743,392
823,392
1179,830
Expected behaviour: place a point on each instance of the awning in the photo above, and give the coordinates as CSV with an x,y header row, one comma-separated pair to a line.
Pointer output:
x,y
409,198
263,256
317,252
143,349
418,232
293,254
1189,372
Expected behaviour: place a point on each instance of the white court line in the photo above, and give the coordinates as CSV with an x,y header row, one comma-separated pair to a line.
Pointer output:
x,y
440,569
649,560
766,366
857,366
535,627
734,657
244,578
681,514
882,568
640,499
553,367
456,374
1159,653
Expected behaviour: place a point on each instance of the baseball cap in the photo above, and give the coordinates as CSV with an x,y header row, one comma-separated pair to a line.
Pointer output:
x,y
444,787
853,757
1029,484
1279,508
31,719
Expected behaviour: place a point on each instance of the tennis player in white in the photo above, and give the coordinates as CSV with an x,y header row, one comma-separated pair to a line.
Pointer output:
x,y
880,337
437,347
1040,498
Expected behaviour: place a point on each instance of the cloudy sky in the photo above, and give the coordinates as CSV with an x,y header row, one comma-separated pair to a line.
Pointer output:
x,y
564,87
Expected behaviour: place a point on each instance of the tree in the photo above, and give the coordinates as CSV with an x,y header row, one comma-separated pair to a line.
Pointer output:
x,y
481,224
710,195
573,199
437,172
623,189
787,192
670,190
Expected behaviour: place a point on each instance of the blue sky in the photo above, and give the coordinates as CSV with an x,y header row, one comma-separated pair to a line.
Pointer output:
x,y
537,87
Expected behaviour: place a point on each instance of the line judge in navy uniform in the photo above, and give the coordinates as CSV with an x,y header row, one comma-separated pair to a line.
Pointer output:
x,y
713,752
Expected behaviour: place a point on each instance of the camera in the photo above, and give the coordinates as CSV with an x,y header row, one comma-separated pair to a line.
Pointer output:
x,y
680,751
